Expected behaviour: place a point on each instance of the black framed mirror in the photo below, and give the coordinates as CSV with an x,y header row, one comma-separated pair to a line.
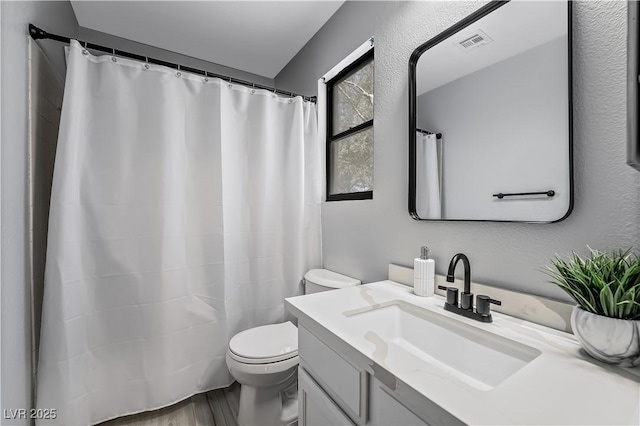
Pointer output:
x,y
490,117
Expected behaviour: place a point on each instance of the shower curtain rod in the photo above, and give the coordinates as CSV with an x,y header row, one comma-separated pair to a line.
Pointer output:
x,y
38,33
426,132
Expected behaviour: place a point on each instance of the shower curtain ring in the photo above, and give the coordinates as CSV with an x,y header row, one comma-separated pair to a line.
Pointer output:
x,y
178,74
113,55
146,62
85,52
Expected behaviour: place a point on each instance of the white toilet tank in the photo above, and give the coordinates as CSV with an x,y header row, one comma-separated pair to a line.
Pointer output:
x,y
317,280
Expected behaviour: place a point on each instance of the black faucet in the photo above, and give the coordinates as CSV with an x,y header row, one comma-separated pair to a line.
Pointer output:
x,y
466,300
483,308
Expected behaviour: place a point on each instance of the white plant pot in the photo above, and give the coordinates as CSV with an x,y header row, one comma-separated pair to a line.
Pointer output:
x,y
610,340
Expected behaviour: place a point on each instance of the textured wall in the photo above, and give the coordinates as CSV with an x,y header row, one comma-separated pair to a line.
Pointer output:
x,y
46,92
361,237
16,312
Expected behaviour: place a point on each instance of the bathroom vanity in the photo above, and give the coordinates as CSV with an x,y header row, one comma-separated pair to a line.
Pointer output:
x,y
379,355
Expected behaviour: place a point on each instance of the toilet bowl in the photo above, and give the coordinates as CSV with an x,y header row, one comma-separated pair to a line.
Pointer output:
x,y
264,360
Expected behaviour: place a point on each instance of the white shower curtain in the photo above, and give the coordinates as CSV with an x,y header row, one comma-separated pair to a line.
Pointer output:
x,y
182,211
428,177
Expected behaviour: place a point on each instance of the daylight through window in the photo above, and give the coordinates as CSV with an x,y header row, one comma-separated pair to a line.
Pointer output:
x,y
350,131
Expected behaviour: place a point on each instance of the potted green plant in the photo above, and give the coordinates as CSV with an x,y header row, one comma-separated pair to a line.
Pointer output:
x,y
606,287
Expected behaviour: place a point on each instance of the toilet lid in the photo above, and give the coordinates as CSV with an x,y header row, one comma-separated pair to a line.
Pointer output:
x,y
268,343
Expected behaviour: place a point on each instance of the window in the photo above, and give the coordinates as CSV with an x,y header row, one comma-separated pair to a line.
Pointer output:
x,y
349,119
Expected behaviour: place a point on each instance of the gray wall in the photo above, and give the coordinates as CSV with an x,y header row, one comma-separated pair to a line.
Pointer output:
x,y
15,310
46,92
361,237
504,130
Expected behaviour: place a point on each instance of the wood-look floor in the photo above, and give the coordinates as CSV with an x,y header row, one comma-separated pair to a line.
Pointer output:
x,y
215,408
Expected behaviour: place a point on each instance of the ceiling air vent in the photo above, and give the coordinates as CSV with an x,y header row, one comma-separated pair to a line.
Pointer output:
x,y
474,40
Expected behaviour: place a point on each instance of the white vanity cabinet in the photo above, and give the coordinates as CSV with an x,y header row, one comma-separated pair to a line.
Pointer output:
x,y
363,362
385,409
337,388
315,407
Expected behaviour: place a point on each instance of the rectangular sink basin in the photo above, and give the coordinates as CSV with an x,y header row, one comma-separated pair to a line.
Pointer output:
x,y
406,338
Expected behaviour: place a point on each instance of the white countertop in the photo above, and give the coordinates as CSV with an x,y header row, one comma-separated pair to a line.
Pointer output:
x,y
562,386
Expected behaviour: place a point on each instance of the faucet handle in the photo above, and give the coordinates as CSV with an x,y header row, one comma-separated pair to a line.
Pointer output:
x,y
483,304
452,295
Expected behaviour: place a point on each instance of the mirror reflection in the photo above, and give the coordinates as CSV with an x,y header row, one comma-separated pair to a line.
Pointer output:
x,y
492,118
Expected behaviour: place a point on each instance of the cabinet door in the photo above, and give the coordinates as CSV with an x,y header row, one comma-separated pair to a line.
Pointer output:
x,y
315,407
385,410
333,372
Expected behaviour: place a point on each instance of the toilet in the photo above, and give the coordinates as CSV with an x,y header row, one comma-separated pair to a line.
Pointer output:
x,y
264,360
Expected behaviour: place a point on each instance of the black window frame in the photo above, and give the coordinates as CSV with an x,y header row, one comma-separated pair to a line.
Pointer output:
x,y
363,195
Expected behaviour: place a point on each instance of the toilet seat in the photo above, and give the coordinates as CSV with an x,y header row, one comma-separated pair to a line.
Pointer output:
x,y
266,344
239,366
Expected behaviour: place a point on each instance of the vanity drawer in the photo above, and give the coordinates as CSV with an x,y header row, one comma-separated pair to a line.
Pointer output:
x,y
341,379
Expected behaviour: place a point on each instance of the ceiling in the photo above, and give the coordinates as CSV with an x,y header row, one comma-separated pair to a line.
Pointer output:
x,y
259,37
